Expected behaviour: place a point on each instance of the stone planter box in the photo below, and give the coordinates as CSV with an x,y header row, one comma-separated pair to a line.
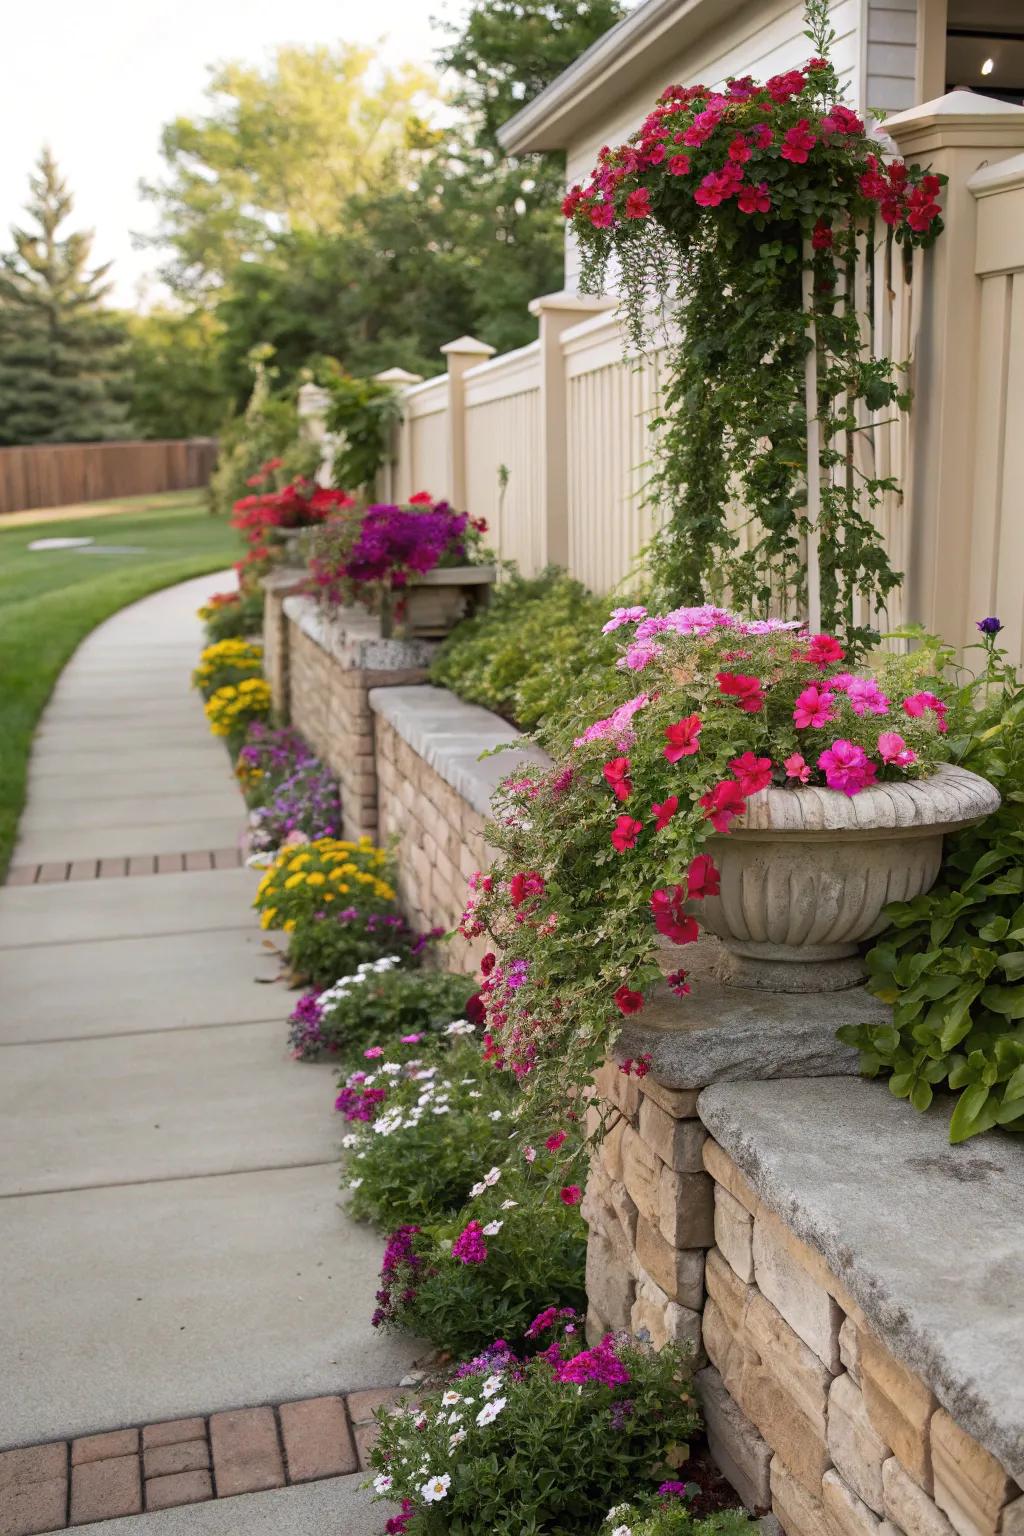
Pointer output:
x,y
806,873
433,604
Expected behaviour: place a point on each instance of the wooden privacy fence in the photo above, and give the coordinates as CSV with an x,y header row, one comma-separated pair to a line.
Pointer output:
x,y
62,474
551,444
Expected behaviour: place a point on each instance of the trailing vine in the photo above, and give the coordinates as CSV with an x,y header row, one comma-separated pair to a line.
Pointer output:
x,y
364,413
714,212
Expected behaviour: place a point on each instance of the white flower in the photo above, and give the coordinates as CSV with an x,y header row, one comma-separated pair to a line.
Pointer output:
x,y
419,1420
440,1109
477,1189
451,1397
354,1183
382,1483
493,1228
623,1530
495,1114
616,1512
460,1027
489,1412
474,1094
435,1489
509,1205
491,1385
456,1439
392,1068
467,1082
349,1141
455,1417
530,1154
491,1178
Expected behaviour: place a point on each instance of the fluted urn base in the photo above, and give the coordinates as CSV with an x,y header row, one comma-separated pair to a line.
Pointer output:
x,y
806,874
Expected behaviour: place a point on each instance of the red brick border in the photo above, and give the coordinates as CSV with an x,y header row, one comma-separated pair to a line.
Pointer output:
x,y
58,871
186,1461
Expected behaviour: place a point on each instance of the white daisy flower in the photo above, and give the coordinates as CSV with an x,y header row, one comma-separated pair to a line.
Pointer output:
x,y
495,1114
491,1178
435,1489
451,1397
349,1141
491,1386
489,1412
509,1205
460,1027
477,1189
493,1228
456,1439
382,1483
354,1183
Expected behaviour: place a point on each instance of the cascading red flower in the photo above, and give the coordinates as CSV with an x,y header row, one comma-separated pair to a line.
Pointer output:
x,y
670,919
664,811
752,773
747,691
616,776
627,830
683,738
722,803
702,877
627,1001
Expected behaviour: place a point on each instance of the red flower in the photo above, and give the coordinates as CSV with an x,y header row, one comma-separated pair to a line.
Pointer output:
x,y
821,236
626,832
702,877
747,690
554,1142
616,776
679,165
601,215
571,1194
762,136
678,983
753,773
670,919
682,738
421,499
739,150
627,1001
475,1009
822,650
798,143
527,883
488,963
754,199
664,812
722,803
638,204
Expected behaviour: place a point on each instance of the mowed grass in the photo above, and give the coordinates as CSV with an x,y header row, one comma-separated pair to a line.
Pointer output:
x,y
51,599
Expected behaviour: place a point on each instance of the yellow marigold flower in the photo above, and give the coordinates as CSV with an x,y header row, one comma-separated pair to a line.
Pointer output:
x,y
344,889
293,881
316,878
289,926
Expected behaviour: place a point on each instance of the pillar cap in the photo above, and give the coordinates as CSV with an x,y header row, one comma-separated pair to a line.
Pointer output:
x,y
398,377
572,303
959,120
467,346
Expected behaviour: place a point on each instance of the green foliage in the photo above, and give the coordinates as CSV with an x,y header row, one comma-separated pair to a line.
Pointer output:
x,y
289,146
539,1251
535,648
421,1171
320,949
268,429
234,620
389,1004
952,961
555,1455
177,383
671,1517
364,413
62,354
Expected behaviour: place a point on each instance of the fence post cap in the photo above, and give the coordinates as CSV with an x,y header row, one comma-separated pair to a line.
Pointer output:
x,y
398,377
960,119
576,303
467,346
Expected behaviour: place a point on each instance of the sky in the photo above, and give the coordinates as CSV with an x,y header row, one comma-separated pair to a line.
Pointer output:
x,y
98,81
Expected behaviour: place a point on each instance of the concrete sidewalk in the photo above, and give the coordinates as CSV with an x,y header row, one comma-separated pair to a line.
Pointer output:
x,y
170,1239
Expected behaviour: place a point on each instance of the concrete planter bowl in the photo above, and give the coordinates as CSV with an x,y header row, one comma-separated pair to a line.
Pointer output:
x,y
807,872
288,540
432,604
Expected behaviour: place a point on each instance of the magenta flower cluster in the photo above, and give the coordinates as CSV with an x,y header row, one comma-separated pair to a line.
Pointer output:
x,y
305,1039
399,1268
395,541
469,1247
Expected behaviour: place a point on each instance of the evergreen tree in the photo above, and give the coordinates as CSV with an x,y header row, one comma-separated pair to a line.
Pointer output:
x,y
62,355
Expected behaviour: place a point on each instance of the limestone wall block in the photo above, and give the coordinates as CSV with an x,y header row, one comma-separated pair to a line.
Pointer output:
x,y
677,1142
793,1290
610,1286
899,1405
665,1321
678,1102
728,1290
908,1506
739,1450
850,1516
857,1449
734,1233
686,1209
789,1360
801,1513
679,1271
725,1172
849,1348
971,1486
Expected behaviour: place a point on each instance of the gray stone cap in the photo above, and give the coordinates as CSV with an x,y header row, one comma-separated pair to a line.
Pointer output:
x,y
455,576
450,735
949,798
352,636
928,1238
284,578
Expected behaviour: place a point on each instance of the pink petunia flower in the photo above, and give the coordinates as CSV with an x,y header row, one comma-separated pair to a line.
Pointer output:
x,y
847,767
625,833
813,708
893,749
796,768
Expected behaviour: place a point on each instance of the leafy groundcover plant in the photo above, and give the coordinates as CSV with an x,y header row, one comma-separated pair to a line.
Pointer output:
x,y
380,1002
232,709
232,615
605,853
545,1445
424,1125
292,797
464,1282
668,1514
335,900
530,652
227,661
952,963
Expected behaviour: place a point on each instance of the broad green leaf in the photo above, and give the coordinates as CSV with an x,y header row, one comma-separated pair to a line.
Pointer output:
x,y
968,1112
1009,1001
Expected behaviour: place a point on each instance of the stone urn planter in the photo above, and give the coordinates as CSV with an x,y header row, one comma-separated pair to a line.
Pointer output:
x,y
287,540
434,602
806,873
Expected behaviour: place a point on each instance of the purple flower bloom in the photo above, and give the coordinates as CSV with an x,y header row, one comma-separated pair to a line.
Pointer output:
x,y
989,626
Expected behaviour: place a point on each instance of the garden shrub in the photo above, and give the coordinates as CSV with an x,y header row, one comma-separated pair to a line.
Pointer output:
x,y
224,662
232,709
532,650
952,962
669,1515
379,1002
232,615
423,1138
308,877
292,796
327,945
461,1291
539,1446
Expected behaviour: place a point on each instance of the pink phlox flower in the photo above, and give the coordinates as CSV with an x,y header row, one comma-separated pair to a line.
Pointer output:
x,y
616,725
866,698
639,655
622,616
599,1364
918,703
469,1247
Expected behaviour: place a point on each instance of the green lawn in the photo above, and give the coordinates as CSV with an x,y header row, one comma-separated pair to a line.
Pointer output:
x,y
50,600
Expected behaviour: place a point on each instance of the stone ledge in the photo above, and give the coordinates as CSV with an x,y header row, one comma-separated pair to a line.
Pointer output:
x,y
926,1237
353,638
449,735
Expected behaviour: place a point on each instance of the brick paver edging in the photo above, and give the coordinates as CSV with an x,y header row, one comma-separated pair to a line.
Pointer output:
x,y
186,1461
58,870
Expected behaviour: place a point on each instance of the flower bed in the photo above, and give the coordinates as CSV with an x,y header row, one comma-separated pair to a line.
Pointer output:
x,y
292,797
227,661
379,1002
231,710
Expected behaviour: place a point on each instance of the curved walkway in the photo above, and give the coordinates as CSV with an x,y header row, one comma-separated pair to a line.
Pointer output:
x,y
170,1242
